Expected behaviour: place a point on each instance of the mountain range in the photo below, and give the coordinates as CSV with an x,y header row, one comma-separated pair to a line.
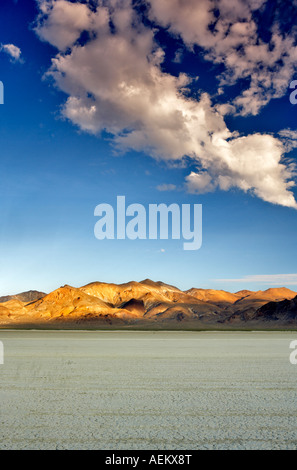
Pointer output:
x,y
149,304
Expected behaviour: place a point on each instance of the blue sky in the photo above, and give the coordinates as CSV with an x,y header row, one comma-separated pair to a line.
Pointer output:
x,y
215,139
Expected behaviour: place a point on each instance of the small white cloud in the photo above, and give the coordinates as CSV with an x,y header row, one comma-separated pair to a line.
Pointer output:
x,y
13,51
270,279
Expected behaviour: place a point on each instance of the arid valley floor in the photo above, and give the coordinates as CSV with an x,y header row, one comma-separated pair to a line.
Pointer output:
x,y
147,390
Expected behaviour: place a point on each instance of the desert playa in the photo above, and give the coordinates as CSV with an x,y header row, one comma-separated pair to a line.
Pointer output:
x,y
147,390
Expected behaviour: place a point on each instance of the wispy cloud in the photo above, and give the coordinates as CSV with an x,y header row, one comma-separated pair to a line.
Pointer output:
x,y
269,279
13,51
288,138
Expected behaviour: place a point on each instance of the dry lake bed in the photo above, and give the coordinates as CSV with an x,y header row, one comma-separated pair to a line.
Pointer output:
x,y
147,390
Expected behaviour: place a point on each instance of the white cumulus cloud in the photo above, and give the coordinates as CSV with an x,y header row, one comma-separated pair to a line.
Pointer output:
x,y
115,82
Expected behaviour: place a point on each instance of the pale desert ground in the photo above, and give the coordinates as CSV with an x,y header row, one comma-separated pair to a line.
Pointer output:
x,y
147,390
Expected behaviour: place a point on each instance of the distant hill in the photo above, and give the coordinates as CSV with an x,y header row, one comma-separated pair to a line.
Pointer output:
x,y
148,304
28,296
